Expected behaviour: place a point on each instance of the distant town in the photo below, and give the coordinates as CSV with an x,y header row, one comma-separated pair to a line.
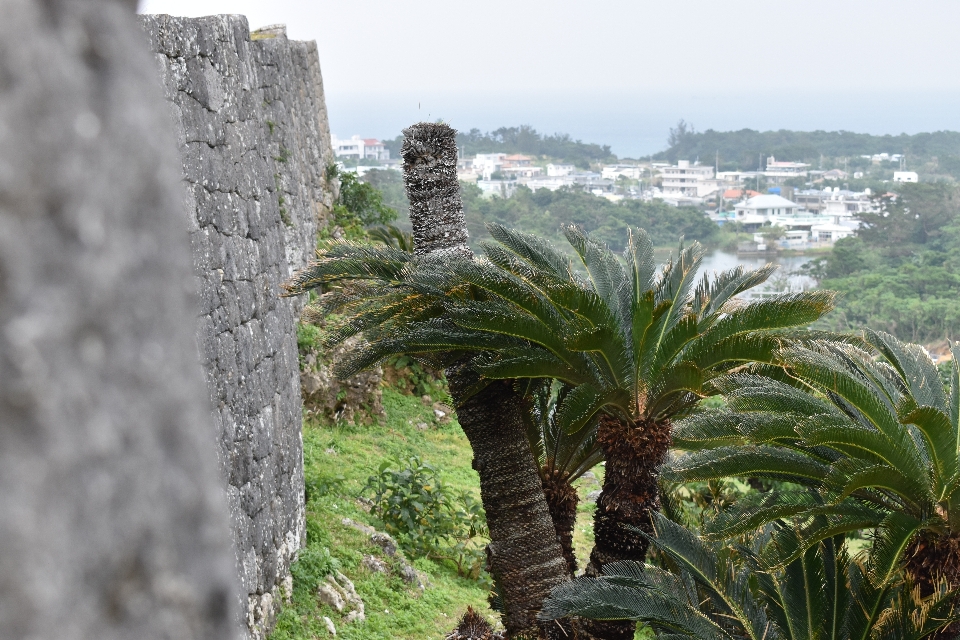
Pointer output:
x,y
786,205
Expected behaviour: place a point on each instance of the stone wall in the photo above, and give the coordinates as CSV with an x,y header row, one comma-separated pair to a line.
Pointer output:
x,y
113,522
255,143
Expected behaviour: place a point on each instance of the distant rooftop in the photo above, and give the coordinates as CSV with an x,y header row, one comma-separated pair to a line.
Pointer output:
x,y
768,202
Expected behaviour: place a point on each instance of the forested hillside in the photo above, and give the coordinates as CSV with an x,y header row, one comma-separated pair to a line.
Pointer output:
x,y
902,272
525,139
742,149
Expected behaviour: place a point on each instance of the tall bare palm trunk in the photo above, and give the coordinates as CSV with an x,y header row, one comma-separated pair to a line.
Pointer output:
x,y
525,556
630,493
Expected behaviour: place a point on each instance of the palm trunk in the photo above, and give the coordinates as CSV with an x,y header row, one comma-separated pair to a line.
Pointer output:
x,y
633,452
562,502
429,153
931,559
524,555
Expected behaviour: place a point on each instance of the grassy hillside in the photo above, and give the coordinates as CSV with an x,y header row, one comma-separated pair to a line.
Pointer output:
x,y
338,459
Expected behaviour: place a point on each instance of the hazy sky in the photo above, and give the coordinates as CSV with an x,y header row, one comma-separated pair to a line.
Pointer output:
x,y
619,71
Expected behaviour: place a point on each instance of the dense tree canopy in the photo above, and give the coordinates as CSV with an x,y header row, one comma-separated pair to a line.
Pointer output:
x,y
526,139
742,149
901,273
542,212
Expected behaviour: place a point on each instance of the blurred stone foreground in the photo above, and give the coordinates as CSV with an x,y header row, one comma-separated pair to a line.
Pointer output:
x,y
159,177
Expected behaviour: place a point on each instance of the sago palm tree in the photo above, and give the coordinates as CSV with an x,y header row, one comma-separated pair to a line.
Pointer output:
x,y
638,346
875,432
380,300
717,592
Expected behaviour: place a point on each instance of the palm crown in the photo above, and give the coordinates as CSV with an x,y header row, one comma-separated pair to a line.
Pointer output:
x,y
717,592
875,431
636,341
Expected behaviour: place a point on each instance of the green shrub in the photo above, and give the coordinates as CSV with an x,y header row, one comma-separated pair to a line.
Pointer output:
x,y
314,563
426,517
359,205
308,336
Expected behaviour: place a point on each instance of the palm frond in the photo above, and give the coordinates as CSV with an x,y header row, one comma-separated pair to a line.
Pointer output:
x,y
747,461
584,402
618,598
911,617
752,513
348,260
890,540
640,263
789,543
537,252
779,312
559,454
607,275
713,294
828,372
954,409
868,603
677,282
915,367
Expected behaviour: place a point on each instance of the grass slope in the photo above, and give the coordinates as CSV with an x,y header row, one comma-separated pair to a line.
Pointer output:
x,y
338,459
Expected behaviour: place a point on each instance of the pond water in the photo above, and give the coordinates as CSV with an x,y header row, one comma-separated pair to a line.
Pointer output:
x,y
786,278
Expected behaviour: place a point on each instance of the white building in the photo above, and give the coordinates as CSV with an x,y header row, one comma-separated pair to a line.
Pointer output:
x,y
684,179
834,202
497,188
522,171
760,209
779,171
733,178
829,233
905,176
487,164
517,160
359,148
557,170
614,171
550,182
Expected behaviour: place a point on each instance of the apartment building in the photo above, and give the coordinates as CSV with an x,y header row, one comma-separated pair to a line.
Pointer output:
x,y
687,180
359,148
